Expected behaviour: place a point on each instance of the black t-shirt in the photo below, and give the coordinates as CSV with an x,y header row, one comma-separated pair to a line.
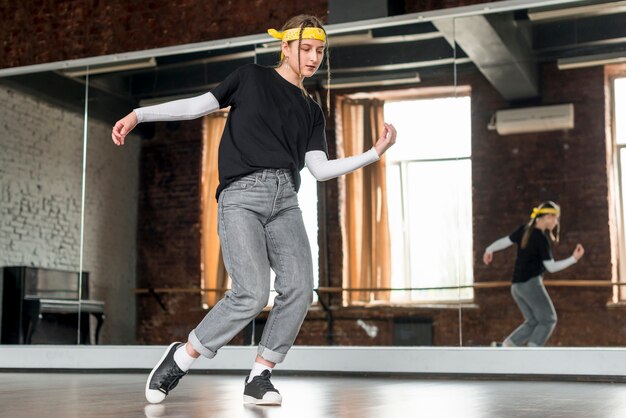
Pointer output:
x,y
271,124
529,261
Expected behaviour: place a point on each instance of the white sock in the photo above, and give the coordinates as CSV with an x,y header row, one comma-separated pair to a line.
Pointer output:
x,y
257,369
508,343
183,359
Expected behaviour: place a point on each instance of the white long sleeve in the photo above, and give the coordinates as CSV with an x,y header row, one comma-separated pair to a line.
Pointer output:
x,y
498,245
324,169
183,109
554,266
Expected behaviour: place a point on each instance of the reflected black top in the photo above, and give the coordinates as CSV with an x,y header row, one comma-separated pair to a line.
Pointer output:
x,y
271,124
529,261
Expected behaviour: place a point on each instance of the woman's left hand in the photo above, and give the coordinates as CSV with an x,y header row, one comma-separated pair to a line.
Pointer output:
x,y
386,140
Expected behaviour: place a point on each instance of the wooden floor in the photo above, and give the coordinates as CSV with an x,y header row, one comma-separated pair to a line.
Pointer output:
x,y
202,395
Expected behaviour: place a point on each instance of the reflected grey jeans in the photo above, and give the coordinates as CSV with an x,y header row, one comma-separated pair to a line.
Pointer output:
x,y
260,227
539,314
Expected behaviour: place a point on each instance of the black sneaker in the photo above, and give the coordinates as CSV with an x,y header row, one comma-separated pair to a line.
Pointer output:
x,y
260,390
165,376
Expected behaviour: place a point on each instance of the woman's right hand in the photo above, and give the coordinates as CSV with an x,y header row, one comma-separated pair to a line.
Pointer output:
x,y
386,140
487,258
123,127
578,252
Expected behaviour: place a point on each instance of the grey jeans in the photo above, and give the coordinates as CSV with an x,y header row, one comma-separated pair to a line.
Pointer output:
x,y
539,314
261,228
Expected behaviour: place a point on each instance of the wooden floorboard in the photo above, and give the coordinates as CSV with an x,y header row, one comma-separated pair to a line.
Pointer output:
x,y
87,395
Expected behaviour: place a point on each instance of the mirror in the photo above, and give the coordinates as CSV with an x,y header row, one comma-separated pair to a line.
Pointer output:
x,y
540,131
41,206
153,268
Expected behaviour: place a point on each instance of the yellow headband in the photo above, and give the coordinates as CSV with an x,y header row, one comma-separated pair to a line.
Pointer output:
x,y
544,211
293,34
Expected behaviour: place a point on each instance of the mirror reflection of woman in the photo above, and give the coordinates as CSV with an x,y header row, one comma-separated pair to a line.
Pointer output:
x,y
534,257
273,129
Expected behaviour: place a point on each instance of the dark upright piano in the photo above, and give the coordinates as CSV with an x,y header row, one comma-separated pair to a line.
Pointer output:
x,y
42,306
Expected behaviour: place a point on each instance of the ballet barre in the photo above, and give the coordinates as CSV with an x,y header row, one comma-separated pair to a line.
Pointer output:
x,y
337,289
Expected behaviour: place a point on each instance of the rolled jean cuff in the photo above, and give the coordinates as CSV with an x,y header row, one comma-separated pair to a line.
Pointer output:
x,y
270,355
197,345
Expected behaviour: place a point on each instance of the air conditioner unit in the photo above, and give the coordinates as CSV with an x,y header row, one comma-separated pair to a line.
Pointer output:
x,y
533,119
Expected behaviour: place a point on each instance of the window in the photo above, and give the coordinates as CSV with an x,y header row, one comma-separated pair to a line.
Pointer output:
x,y
429,185
619,129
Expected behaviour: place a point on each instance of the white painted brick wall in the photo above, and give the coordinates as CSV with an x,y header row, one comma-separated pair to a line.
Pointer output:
x,y
41,151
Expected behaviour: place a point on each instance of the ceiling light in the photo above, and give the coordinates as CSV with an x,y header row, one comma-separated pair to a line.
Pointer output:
x,y
591,60
589,10
372,80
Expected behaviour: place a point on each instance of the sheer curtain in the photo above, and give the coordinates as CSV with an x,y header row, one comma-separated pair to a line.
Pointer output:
x,y
366,238
214,275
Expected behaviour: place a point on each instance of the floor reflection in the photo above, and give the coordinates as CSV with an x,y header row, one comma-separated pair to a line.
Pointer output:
x,y
199,395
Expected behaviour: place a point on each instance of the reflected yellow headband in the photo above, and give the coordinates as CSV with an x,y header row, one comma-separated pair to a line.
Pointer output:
x,y
292,34
544,211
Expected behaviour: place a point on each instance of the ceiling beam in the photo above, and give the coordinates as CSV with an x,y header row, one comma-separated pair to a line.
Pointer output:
x,y
499,49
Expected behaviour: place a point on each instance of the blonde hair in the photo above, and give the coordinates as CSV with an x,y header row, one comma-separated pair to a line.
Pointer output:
x,y
529,227
308,21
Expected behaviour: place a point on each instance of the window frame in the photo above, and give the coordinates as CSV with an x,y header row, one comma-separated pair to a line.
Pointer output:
x,y
619,292
403,167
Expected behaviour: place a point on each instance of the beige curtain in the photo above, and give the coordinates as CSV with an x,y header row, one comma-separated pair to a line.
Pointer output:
x,y
366,240
214,275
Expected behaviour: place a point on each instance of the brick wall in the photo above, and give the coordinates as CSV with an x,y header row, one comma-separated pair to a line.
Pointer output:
x,y
34,32
169,230
40,180
40,189
514,172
